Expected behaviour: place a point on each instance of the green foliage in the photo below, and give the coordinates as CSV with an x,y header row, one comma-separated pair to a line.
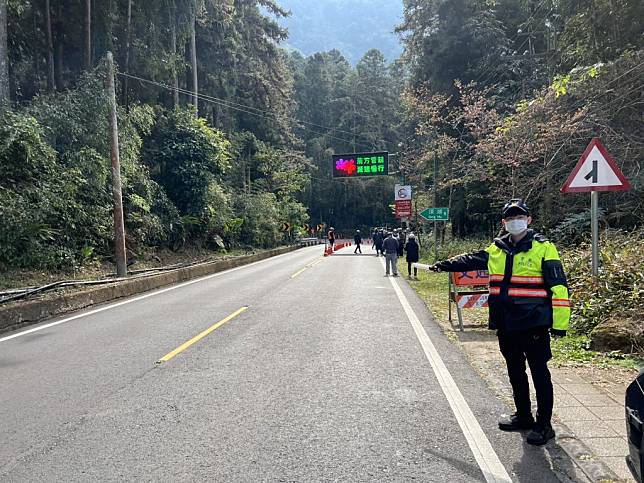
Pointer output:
x,y
574,350
619,292
26,155
188,159
36,197
261,217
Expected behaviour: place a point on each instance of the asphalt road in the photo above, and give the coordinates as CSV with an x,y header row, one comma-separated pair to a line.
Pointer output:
x,y
322,378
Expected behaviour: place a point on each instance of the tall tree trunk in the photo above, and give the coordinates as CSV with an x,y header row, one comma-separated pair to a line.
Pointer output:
x,y
51,83
193,59
88,34
127,55
4,54
173,47
59,53
36,20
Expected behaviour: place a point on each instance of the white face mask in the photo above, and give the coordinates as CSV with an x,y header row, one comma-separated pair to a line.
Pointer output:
x,y
516,227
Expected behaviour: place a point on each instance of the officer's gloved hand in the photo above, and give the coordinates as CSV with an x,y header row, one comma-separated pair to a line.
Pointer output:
x,y
557,333
434,268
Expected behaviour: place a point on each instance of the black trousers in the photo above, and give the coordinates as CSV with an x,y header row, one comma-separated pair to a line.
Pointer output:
x,y
409,269
357,249
533,346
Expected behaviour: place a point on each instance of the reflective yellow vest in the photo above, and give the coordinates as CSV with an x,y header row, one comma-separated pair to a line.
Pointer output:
x,y
531,290
528,287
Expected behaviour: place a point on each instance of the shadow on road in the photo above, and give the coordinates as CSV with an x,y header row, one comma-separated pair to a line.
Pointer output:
x,y
544,456
465,468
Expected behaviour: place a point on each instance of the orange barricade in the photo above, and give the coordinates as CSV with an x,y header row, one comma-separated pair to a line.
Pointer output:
x,y
475,297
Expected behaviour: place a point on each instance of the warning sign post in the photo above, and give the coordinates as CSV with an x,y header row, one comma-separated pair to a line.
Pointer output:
x,y
595,171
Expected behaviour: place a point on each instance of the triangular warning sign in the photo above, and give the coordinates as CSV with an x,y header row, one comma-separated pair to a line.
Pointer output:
x,y
595,171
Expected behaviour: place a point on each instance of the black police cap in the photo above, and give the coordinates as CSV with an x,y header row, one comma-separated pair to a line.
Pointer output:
x,y
515,207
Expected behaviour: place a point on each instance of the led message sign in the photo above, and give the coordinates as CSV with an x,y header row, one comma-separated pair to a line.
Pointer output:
x,y
360,165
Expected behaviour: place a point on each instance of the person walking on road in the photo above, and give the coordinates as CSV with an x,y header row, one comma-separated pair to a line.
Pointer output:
x,y
528,302
413,255
358,241
401,242
331,237
390,247
378,240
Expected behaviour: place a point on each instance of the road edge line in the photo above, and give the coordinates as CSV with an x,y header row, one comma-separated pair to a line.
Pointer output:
x,y
487,459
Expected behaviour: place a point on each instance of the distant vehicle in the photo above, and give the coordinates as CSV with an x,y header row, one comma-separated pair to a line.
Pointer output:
x,y
634,429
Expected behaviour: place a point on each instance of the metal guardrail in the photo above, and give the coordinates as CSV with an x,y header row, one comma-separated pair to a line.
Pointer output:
x,y
309,242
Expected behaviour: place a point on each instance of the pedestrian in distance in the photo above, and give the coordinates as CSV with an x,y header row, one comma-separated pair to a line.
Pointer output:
x,y
378,240
390,247
331,237
401,242
413,254
358,241
528,302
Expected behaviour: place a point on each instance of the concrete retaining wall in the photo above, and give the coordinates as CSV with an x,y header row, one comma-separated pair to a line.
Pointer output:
x,y
20,314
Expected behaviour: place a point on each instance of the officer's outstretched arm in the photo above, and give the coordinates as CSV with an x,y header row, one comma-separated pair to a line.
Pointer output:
x,y
464,263
555,280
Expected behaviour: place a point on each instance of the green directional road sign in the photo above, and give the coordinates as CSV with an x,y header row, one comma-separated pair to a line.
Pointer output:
x,y
435,214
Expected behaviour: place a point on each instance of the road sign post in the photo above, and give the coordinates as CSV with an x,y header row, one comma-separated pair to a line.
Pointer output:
x,y
594,228
595,171
435,215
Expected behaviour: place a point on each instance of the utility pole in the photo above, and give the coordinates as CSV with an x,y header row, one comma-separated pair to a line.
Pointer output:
x,y
119,225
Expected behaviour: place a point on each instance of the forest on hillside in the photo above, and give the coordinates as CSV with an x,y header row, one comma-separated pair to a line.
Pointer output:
x,y
490,99
352,27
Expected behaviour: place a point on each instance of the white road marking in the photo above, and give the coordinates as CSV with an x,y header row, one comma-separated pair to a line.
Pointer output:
x,y
487,459
136,299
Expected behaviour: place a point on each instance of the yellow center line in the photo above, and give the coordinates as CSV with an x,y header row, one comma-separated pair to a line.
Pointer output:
x,y
298,272
197,338
309,265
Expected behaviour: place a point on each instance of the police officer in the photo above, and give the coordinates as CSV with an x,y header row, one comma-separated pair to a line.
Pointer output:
x,y
528,301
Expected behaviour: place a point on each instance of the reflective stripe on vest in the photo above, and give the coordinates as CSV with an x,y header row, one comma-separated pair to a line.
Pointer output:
x,y
527,292
560,303
526,279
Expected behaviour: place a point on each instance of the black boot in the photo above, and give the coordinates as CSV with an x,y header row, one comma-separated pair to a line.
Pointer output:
x,y
516,423
540,434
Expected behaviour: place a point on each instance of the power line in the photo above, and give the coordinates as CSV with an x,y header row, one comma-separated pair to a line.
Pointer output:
x,y
247,109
